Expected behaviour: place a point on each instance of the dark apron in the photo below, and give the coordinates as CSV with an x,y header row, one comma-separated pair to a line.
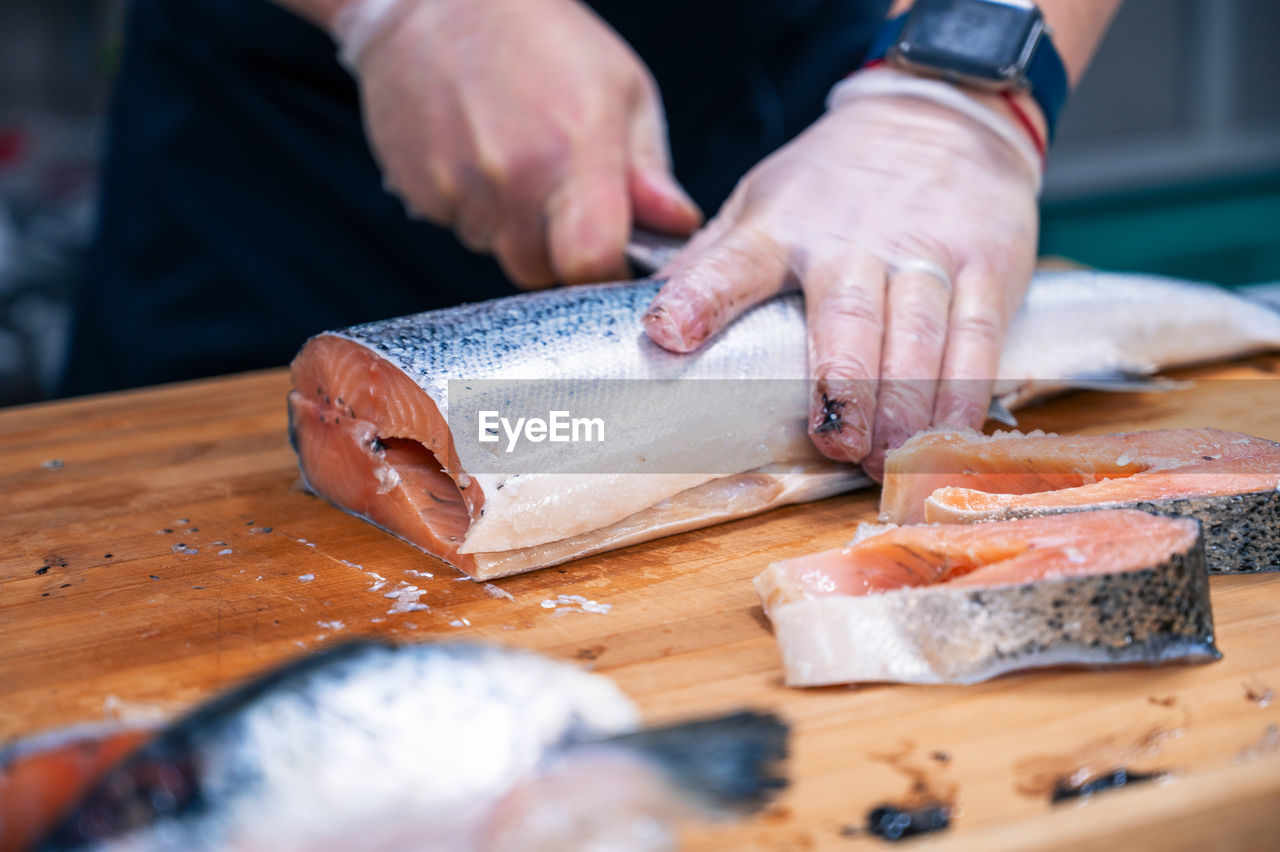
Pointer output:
x,y
242,212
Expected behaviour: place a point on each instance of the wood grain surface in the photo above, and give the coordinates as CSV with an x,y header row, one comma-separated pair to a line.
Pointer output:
x,y
155,547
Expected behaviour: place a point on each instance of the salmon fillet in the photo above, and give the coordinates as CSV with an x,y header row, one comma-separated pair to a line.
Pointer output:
x,y
960,604
1227,480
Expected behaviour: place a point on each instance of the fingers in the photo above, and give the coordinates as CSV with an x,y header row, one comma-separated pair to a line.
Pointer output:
x,y
658,201
616,174
844,303
974,340
479,216
706,290
915,335
660,204
521,250
589,221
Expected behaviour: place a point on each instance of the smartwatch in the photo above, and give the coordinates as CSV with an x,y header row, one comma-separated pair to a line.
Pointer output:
x,y
993,45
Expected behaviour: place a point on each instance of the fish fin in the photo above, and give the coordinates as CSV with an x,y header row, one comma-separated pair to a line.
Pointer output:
x,y
1267,294
730,763
1000,412
650,251
1125,382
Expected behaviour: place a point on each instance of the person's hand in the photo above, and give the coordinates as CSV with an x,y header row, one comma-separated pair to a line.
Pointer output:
x,y
527,126
912,229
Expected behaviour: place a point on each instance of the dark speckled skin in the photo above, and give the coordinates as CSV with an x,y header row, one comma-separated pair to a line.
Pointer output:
x,y
1241,531
1148,615
954,634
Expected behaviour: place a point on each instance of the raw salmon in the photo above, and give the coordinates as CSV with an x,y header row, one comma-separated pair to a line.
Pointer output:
x,y
370,407
1227,480
41,775
376,435
961,604
434,747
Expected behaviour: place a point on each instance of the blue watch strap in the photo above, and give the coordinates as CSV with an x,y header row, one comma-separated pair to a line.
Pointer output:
x,y
886,37
1048,78
1046,74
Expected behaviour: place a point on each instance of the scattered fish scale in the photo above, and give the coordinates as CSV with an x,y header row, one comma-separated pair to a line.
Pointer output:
x,y
563,604
498,592
407,598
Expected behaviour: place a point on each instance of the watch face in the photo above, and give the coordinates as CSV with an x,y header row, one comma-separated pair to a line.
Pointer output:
x,y
984,39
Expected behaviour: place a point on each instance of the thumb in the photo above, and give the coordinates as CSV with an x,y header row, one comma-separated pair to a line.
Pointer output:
x,y
658,202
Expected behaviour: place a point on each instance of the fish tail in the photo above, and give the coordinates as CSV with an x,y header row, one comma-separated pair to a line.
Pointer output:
x,y
730,763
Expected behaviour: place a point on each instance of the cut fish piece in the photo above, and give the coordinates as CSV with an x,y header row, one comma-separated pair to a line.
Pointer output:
x,y
369,421
961,604
1227,480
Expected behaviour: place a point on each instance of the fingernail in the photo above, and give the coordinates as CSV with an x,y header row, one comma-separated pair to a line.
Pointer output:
x,y
675,322
665,331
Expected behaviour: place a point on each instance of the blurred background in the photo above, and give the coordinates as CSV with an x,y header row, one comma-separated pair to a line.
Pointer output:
x,y
1168,159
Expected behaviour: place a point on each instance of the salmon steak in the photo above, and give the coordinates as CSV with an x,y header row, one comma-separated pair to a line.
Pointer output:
x,y
965,603
1226,480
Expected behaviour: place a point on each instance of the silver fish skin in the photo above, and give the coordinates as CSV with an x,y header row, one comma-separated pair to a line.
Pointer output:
x,y
1108,331
449,746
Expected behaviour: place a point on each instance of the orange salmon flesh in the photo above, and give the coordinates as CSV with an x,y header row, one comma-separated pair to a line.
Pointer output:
x,y
956,476
996,553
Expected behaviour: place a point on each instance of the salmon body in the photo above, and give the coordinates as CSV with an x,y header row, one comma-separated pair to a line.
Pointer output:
x,y
370,421
1227,480
961,604
440,747
377,434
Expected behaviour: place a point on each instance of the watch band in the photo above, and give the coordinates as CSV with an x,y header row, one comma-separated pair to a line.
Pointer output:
x,y
1046,74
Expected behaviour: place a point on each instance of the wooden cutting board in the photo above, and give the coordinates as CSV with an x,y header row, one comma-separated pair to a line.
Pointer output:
x,y
155,547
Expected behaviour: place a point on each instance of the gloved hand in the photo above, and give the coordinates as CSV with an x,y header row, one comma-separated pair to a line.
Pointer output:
x,y
527,126
871,210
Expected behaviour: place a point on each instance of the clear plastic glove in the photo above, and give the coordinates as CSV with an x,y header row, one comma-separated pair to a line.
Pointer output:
x,y
527,126
862,210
